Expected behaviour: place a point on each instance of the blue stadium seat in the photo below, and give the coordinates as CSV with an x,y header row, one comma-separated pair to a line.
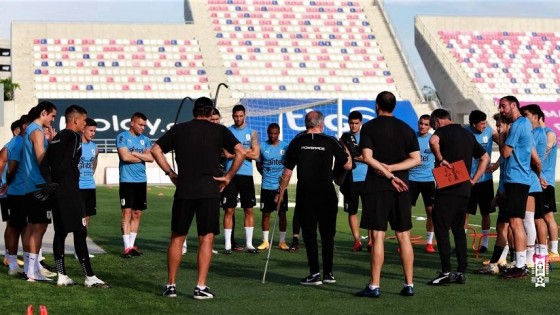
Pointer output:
x,y
115,63
44,64
167,79
139,42
89,87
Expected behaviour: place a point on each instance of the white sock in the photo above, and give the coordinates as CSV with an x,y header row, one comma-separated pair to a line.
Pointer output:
x,y
265,236
227,234
554,247
25,262
520,259
31,271
185,243
542,249
12,261
201,287
38,263
429,237
485,238
249,236
530,228
126,239
373,287
408,285
282,236
505,253
132,239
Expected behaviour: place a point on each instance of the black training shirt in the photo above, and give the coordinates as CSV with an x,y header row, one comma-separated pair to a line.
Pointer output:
x,y
198,146
313,154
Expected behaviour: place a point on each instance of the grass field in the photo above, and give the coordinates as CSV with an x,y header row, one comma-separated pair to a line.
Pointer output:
x,y
236,279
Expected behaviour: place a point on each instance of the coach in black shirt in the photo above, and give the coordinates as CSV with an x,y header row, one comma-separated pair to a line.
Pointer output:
x,y
451,143
316,200
198,146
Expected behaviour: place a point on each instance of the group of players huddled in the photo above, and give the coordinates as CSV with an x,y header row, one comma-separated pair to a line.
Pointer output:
x,y
48,175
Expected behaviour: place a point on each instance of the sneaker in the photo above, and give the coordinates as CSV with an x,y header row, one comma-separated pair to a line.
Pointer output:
x,y
64,281
553,255
458,277
283,246
184,250
441,279
407,290
127,253
15,272
514,273
170,291
214,251
357,247
237,247
295,245
46,266
371,293
37,277
227,252
135,252
49,274
263,246
252,251
490,269
430,248
311,280
482,249
94,282
329,278
203,294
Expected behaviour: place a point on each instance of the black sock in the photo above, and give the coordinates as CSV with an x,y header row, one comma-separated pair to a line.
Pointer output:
x,y
496,254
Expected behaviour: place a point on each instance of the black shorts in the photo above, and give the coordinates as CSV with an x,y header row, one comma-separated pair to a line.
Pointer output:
x,y
539,202
427,189
90,201
387,206
18,212
68,211
207,216
243,186
352,198
549,199
133,196
38,212
516,199
5,205
503,216
482,194
267,201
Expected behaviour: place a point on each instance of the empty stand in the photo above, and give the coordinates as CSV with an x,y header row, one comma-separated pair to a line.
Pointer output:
x,y
299,48
524,64
129,68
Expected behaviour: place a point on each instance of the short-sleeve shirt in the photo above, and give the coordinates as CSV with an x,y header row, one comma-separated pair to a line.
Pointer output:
x,y
391,141
359,173
456,143
549,164
272,158
313,154
133,172
87,161
15,153
423,172
485,140
243,135
539,136
518,164
31,169
198,147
